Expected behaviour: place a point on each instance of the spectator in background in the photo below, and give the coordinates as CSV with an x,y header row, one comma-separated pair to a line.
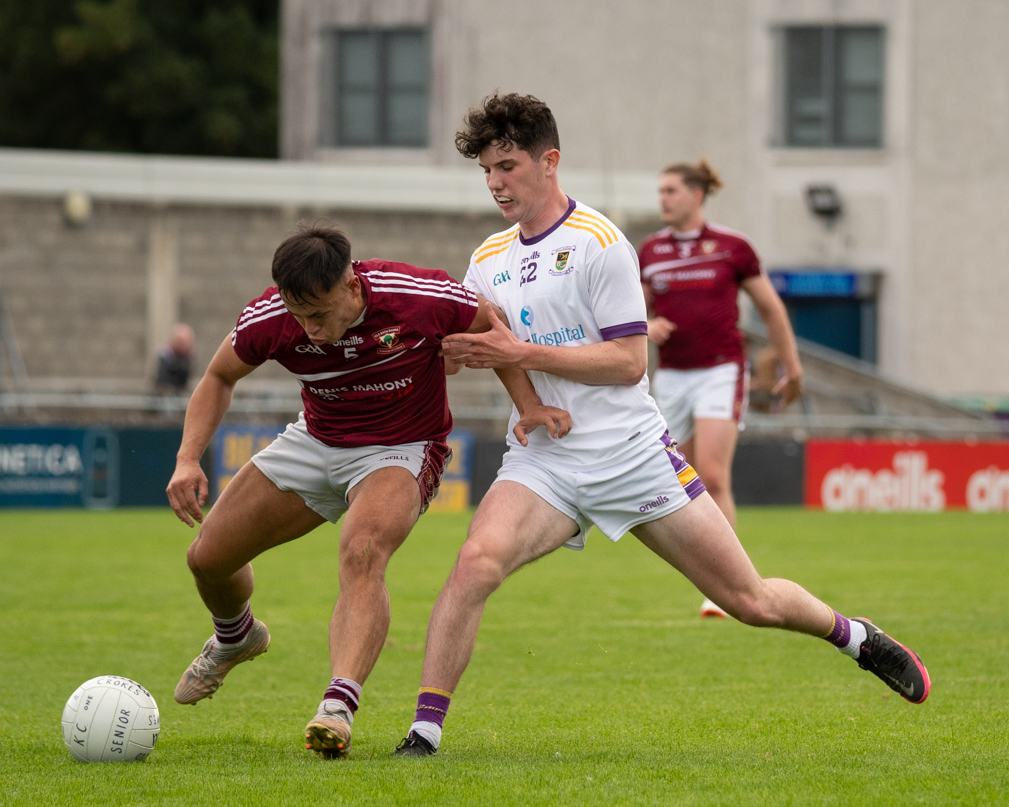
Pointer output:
x,y
175,360
691,274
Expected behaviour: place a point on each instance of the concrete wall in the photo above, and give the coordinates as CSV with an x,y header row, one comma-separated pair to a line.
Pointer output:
x,y
959,163
97,301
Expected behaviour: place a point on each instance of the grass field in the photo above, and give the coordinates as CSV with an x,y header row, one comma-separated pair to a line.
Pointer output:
x,y
594,681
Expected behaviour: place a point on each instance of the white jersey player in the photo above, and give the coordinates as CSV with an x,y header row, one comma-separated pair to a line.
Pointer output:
x,y
568,282
575,285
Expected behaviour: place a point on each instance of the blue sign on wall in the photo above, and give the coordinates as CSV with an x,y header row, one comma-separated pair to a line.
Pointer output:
x,y
59,468
234,446
815,284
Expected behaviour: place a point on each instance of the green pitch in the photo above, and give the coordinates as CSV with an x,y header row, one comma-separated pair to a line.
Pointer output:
x,y
594,681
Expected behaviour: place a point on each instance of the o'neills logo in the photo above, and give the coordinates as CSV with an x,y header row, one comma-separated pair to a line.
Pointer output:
x,y
653,504
911,485
988,490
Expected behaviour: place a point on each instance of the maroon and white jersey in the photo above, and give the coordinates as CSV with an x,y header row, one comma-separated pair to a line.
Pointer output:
x,y
694,279
383,383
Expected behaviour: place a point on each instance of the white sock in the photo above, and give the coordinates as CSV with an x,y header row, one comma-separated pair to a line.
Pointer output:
x,y
331,706
429,731
858,634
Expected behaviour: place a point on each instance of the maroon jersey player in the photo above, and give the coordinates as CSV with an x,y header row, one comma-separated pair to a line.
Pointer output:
x,y
363,339
691,273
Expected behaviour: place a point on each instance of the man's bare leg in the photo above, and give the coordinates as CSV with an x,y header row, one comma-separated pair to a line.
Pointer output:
x,y
384,506
512,527
698,541
252,515
714,445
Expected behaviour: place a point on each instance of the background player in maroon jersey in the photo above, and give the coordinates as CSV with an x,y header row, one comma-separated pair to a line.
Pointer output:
x,y
691,272
363,339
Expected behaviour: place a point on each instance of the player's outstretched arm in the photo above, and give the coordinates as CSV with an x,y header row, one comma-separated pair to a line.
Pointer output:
x,y
779,331
620,361
188,489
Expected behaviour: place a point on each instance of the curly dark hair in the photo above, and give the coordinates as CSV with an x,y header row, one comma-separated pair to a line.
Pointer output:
x,y
510,121
308,264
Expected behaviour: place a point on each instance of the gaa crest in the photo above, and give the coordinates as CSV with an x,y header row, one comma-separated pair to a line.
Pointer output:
x,y
388,340
562,261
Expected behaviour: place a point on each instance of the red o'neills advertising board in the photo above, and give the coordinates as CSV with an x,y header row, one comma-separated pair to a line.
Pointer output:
x,y
848,475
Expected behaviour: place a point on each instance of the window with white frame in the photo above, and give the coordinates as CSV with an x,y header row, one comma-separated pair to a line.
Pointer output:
x,y
833,86
375,88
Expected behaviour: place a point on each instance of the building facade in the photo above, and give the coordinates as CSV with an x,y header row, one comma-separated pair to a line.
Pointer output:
x,y
863,143
864,146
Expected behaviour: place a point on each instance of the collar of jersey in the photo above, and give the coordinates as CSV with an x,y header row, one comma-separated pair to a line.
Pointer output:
x,y
689,235
537,238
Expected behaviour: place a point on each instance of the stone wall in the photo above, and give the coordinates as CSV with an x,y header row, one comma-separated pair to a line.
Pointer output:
x,y
96,301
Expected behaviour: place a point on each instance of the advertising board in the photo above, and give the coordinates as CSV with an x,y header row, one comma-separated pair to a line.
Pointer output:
x,y
912,476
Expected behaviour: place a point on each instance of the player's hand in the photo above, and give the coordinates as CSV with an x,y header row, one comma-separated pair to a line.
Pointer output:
x,y
788,389
659,329
557,422
188,491
495,348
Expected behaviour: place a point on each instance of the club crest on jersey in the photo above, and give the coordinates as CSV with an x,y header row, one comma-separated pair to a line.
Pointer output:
x,y
707,247
562,261
388,340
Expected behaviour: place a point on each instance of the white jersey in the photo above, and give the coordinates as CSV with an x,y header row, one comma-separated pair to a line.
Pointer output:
x,y
575,284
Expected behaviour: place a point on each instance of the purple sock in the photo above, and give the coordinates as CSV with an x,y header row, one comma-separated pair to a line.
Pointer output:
x,y
232,631
343,689
432,706
840,632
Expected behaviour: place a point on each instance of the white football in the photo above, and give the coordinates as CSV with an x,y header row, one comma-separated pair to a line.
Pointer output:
x,y
111,719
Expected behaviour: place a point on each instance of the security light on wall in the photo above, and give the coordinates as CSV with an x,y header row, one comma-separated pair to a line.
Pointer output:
x,y
824,202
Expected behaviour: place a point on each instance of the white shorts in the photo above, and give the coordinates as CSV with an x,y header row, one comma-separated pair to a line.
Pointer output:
x,y
718,393
643,487
323,475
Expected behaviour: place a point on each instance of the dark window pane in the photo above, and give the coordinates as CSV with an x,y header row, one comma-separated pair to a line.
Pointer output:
x,y
359,62
861,54
860,74
859,117
408,118
408,61
382,88
808,103
359,119
833,86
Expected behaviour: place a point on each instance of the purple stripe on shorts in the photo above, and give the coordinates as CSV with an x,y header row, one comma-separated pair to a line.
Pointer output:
x,y
627,329
693,488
